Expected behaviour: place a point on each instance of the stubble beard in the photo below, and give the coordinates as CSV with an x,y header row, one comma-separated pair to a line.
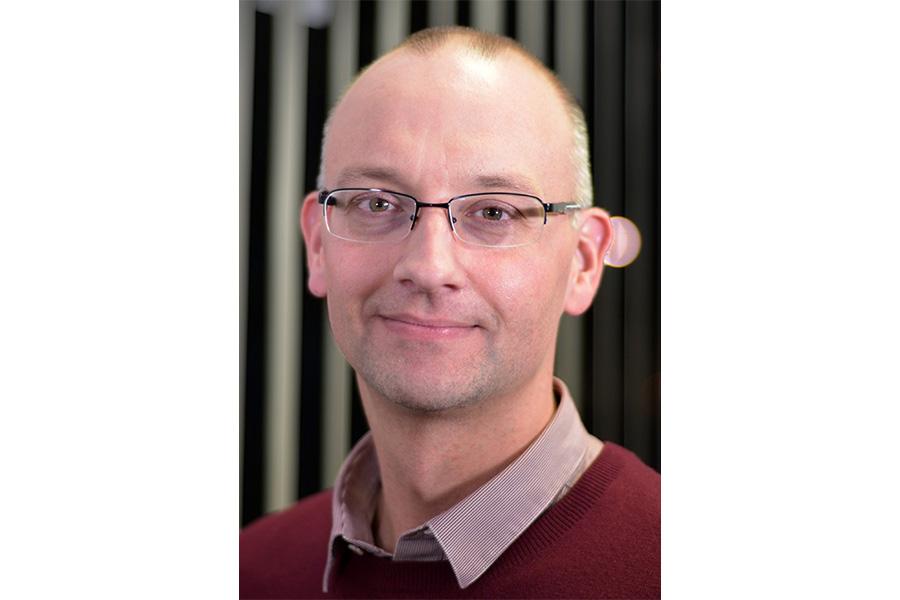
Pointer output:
x,y
429,387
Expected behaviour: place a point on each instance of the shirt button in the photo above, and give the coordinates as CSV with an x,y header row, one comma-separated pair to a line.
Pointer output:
x,y
355,549
427,532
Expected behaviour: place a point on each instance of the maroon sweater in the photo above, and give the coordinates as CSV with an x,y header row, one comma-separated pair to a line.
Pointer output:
x,y
601,540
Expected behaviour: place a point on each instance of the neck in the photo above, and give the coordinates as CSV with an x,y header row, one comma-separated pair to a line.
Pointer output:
x,y
431,461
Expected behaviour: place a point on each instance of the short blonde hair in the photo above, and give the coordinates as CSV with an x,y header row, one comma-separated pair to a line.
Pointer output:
x,y
491,46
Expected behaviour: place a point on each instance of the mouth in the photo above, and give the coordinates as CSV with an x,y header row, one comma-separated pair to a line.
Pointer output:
x,y
426,329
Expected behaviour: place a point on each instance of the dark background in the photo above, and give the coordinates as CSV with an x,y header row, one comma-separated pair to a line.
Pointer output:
x,y
300,407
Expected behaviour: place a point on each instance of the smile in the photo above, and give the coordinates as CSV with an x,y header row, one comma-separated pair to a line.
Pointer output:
x,y
415,328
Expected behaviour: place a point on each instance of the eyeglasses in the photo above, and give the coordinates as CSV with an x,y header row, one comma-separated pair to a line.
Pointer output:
x,y
495,219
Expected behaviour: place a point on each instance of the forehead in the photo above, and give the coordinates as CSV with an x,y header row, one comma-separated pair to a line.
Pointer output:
x,y
449,119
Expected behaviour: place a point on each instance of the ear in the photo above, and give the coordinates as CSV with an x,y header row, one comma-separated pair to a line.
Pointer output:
x,y
311,225
594,240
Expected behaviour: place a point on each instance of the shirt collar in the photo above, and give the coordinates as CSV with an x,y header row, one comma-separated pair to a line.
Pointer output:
x,y
476,531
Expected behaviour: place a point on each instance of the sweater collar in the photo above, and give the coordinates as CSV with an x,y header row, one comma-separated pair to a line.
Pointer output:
x,y
475,532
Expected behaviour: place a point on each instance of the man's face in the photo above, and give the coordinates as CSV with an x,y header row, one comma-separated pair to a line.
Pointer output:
x,y
431,322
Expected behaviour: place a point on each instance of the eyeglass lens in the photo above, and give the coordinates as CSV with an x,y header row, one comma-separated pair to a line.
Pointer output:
x,y
496,219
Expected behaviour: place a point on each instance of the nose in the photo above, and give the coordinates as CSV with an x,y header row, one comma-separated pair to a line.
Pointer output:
x,y
428,260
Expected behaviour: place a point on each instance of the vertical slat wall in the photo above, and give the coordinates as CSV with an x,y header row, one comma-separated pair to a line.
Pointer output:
x,y
284,306
642,192
622,364
300,410
343,53
569,61
247,25
487,16
254,254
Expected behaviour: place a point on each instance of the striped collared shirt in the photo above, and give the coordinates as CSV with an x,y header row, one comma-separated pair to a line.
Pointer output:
x,y
472,534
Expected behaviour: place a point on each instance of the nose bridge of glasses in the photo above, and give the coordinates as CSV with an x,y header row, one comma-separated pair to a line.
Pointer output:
x,y
443,205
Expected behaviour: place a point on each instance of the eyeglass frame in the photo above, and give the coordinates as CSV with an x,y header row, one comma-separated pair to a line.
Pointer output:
x,y
560,208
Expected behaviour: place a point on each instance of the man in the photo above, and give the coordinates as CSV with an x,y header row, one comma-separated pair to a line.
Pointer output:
x,y
478,478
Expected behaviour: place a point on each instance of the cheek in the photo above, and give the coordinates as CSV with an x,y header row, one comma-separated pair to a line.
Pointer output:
x,y
527,293
353,275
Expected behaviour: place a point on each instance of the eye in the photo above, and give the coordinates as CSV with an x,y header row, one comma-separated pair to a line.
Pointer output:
x,y
379,204
493,213
374,203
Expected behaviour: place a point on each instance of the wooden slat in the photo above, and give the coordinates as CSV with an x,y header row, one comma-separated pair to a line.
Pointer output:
x,y
530,31
441,12
247,39
488,15
284,266
392,25
336,388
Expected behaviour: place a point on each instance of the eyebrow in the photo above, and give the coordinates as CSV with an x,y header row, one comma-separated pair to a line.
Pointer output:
x,y
506,181
483,182
352,175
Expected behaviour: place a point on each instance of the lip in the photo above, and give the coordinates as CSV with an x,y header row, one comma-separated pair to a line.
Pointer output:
x,y
427,329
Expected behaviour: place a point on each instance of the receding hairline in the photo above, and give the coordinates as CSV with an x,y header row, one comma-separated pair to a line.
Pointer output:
x,y
490,46
485,43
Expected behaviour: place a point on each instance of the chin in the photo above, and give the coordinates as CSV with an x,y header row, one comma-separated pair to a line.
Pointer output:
x,y
430,384
429,394
433,404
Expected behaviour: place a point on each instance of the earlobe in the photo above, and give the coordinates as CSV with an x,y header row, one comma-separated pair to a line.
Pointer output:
x,y
594,239
311,226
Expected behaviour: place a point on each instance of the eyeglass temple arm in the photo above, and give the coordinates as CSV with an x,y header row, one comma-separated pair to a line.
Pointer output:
x,y
561,207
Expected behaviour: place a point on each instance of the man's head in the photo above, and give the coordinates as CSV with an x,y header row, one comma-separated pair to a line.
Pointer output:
x,y
431,322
